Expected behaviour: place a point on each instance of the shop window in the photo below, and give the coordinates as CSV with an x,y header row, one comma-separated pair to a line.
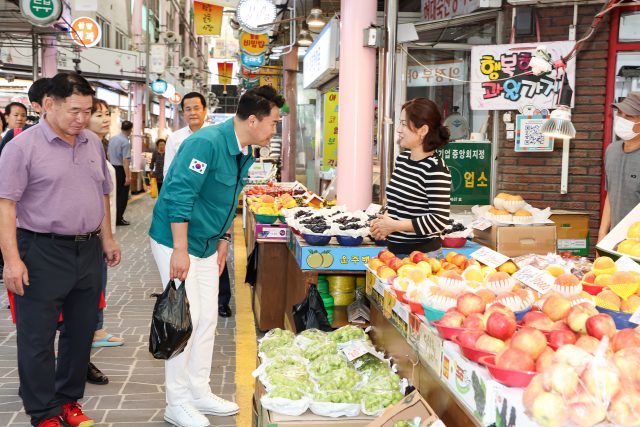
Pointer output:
x,y
106,31
121,40
629,27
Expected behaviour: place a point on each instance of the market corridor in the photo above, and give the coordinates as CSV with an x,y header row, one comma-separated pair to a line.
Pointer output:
x,y
135,395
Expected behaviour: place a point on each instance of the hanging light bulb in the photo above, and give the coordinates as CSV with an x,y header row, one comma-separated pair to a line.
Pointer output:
x,y
559,125
315,18
304,38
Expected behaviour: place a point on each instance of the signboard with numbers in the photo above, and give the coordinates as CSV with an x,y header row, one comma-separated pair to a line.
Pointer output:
x,y
504,78
528,136
490,257
536,279
470,166
418,76
330,144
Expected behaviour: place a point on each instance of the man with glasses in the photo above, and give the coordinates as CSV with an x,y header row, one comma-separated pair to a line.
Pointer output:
x,y
622,165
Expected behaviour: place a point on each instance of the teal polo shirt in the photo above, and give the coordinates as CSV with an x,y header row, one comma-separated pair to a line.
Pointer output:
x,y
202,186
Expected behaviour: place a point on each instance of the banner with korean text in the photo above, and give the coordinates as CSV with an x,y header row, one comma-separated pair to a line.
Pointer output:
x,y
502,79
208,18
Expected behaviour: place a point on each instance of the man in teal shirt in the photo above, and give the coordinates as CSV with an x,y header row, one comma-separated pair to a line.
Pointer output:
x,y
189,241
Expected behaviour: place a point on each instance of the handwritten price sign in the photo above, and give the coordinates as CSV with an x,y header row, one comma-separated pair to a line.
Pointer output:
x,y
357,348
479,224
624,263
490,257
536,279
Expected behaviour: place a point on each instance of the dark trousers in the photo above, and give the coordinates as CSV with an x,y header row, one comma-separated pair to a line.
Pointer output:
x,y
122,192
159,184
63,276
224,289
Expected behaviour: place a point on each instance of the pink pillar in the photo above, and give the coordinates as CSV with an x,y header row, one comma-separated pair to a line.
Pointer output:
x,y
176,118
176,29
49,62
162,119
137,23
289,122
187,17
357,97
163,15
138,91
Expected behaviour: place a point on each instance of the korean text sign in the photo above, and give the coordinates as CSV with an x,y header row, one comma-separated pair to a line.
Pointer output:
x,y
441,9
470,167
330,146
86,32
208,18
417,75
502,78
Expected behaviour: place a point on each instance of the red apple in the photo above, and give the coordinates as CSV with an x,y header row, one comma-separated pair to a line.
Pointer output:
x,y
385,256
487,343
530,340
394,263
578,315
474,321
458,260
471,303
532,391
545,360
559,338
556,307
600,325
452,318
469,337
572,355
602,381
469,262
626,338
538,320
550,410
420,257
628,363
516,359
414,253
624,408
500,325
385,272
587,343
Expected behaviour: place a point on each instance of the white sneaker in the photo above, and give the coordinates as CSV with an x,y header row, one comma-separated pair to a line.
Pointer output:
x,y
214,405
185,415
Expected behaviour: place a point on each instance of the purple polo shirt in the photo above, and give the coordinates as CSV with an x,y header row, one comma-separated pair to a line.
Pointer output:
x,y
59,188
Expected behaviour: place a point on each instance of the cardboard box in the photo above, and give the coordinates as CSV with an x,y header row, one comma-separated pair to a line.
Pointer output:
x,y
509,409
516,241
609,245
410,407
572,228
471,383
430,347
396,312
272,419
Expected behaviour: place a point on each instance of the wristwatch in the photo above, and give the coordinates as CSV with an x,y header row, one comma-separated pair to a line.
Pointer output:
x,y
226,237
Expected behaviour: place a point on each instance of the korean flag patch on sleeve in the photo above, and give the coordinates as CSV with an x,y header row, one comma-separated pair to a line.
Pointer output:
x,y
198,166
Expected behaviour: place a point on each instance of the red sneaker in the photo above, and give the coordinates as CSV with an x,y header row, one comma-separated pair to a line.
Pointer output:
x,y
73,416
51,422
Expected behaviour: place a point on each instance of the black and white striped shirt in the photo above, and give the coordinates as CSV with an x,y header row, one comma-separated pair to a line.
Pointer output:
x,y
419,191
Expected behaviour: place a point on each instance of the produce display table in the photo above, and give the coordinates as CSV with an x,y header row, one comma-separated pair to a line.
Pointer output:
x,y
268,294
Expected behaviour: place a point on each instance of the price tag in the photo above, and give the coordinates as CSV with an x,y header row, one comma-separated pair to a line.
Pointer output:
x,y
490,257
635,317
479,224
536,279
357,348
624,263
373,209
401,311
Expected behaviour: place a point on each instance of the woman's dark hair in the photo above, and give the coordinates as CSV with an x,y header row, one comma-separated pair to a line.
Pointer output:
x,y
422,111
161,140
3,120
63,85
258,102
97,103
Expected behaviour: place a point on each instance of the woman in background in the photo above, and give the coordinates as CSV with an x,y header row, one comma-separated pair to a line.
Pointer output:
x,y
157,163
418,193
99,123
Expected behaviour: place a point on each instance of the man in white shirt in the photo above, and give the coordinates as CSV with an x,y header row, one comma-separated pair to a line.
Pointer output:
x,y
194,108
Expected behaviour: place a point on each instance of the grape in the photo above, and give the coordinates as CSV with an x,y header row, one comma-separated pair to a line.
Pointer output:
x,y
336,396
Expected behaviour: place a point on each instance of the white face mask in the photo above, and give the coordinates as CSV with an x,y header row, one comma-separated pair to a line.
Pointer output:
x,y
624,129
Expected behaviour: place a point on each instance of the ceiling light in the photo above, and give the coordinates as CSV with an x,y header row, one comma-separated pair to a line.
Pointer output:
x,y
315,18
304,38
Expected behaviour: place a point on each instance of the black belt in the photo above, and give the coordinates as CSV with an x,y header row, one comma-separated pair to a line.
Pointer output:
x,y
77,237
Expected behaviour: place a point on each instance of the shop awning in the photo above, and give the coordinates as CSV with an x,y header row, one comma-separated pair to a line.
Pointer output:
x,y
470,18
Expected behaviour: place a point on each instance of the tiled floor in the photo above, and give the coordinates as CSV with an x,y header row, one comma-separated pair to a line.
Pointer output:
x,y
135,394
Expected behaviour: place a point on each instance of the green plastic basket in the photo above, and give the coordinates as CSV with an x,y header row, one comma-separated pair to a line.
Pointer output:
x,y
266,219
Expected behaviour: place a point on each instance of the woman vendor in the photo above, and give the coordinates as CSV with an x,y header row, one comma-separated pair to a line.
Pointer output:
x,y
418,194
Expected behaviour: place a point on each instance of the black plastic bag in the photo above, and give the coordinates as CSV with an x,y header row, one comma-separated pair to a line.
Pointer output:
x,y
171,323
252,267
310,313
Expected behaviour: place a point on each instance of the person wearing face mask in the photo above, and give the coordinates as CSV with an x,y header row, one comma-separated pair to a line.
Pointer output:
x,y
622,165
419,191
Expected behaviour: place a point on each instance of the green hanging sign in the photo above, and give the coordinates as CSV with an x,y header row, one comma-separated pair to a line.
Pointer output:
x,y
42,13
470,167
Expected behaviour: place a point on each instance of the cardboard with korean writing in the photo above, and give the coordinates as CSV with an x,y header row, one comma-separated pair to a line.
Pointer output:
x,y
470,166
442,9
624,263
489,257
536,279
502,78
